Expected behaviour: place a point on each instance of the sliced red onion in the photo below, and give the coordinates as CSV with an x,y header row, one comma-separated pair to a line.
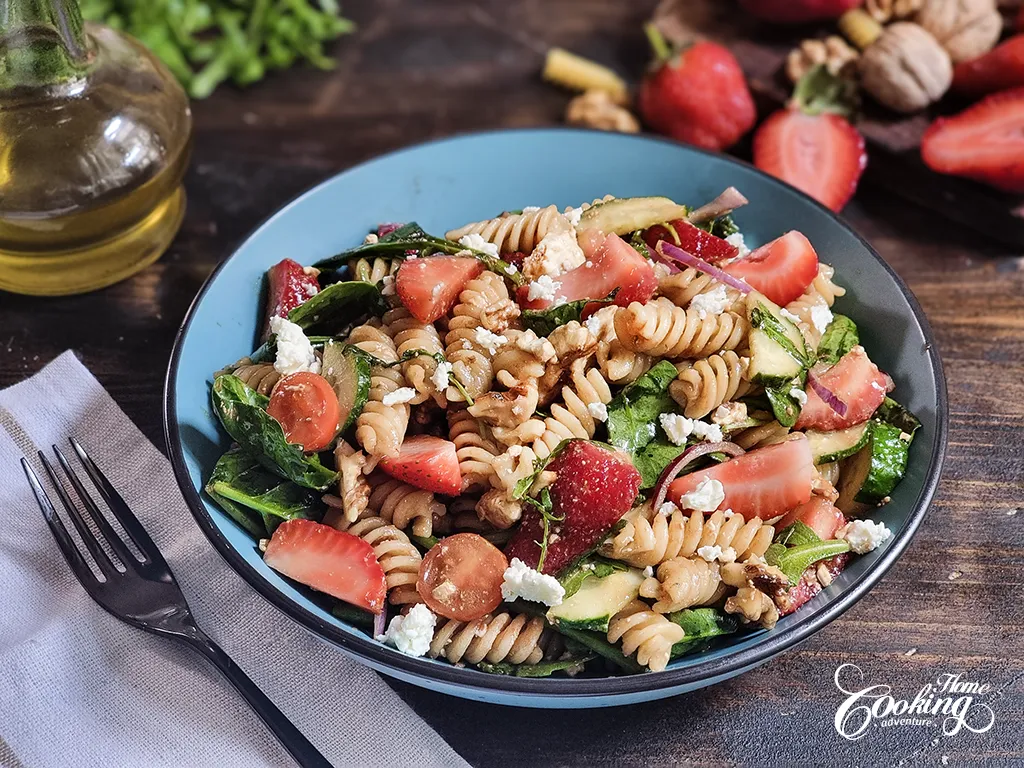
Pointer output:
x,y
380,623
678,254
658,256
387,228
673,470
890,385
831,399
727,202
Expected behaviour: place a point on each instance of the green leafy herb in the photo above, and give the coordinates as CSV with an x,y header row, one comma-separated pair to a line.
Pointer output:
x,y
785,407
544,505
338,304
205,42
544,321
797,535
426,543
821,92
893,413
573,577
652,459
721,227
639,244
522,488
544,669
702,625
839,338
632,415
243,481
795,560
243,413
764,320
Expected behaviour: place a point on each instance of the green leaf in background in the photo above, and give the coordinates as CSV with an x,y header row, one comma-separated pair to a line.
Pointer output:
x,y
796,535
721,227
339,304
544,669
594,565
243,481
544,321
839,338
784,405
206,42
652,459
634,412
702,625
243,413
793,561
895,414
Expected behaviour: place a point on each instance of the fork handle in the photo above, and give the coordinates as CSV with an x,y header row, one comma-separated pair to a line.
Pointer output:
x,y
305,754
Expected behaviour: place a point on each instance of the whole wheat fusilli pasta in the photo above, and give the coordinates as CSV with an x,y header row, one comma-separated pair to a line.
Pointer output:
x,y
647,634
662,329
404,505
703,385
380,428
494,638
396,555
409,334
683,582
516,232
681,287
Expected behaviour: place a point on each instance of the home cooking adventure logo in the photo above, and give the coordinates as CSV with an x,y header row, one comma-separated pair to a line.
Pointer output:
x,y
948,702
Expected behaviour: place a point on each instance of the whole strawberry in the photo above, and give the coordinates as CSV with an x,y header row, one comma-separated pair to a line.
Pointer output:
x,y
697,95
798,11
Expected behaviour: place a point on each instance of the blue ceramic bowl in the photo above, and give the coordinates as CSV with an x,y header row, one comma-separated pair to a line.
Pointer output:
x,y
446,183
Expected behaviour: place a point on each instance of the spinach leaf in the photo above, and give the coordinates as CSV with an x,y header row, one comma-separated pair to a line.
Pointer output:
x,y
632,415
338,304
796,535
839,338
544,321
721,227
793,561
543,669
639,244
594,565
701,625
785,407
242,481
243,413
652,459
893,413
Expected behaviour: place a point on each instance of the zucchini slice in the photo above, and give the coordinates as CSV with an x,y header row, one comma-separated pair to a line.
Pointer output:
x,y
348,371
833,446
871,474
628,214
778,353
597,600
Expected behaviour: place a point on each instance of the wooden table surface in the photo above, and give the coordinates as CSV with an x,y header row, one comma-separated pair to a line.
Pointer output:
x,y
417,70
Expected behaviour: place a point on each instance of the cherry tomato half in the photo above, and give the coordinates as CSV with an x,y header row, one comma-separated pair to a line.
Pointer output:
x,y
306,406
460,577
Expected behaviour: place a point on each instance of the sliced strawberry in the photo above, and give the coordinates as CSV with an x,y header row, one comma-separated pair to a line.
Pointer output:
x,y
809,586
339,564
429,287
691,239
984,142
288,285
515,259
765,482
822,155
427,462
818,514
781,270
857,382
611,263
1000,69
593,489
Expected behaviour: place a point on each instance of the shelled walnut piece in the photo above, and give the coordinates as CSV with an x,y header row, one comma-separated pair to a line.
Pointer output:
x,y
965,28
884,11
597,109
834,52
905,68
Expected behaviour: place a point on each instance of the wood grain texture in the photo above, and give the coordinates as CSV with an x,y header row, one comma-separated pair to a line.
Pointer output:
x,y
420,70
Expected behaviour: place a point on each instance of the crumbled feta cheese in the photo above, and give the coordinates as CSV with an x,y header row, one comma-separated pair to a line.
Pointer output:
x,y
446,590
736,240
594,324
864,535
515,450
799,395
676,427
477,243
706,497
412,633
294,352
371,239
711,553
554,255
388,288
489,341
712,433
789,316
821,316
598,410
730,415
589,567
667,508
543,288
727,513
713,302
511,269
574,216
440,378
649,572
400,395
533,344
520,580
531,209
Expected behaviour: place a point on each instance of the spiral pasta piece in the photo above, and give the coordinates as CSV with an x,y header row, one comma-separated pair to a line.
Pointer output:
x,y
353,489
647,634
683,582
572,417
523,358
703,385
403,505
373,269
259,376
494,638
618,364
410,334
682,287
380,429
661,329
476,452
516,232
763,434
484,305
822,292
397,556
651,538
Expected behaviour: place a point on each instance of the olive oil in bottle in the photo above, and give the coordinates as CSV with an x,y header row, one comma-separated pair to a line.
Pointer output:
x,y
95,136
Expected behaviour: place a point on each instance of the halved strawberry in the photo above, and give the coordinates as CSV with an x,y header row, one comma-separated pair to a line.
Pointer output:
x,y
429,287
288,285
809,586
984,142
857,382
818,514
781,270
593,489
339,564
691,239
611,263
1000,69
765,482
427,462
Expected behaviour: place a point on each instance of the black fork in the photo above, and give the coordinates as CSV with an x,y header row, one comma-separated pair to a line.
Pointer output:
x,y
143,591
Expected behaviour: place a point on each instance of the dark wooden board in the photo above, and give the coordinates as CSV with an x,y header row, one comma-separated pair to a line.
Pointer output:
x,y
420,70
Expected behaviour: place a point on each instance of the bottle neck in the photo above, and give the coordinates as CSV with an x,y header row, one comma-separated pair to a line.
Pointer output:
x,y
42,43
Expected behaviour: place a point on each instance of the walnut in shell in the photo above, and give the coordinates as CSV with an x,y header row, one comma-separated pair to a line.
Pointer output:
x,y
884,11
834,52
596,109
965,28
906,69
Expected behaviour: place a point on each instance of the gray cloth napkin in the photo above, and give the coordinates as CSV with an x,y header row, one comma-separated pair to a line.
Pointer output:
x,y
79,688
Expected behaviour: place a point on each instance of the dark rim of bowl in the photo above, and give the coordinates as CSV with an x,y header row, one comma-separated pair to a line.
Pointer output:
x,y
795,631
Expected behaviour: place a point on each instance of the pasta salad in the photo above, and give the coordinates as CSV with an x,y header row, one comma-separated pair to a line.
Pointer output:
x,y
582,441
